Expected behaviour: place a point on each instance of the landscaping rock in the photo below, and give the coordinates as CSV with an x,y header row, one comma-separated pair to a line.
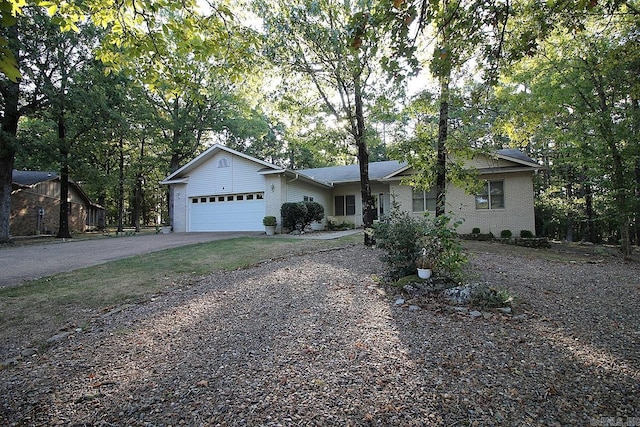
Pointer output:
x,y
28,352
460,295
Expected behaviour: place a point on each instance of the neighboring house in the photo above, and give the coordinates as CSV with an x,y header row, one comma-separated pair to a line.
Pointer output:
x,y
225,190
35,205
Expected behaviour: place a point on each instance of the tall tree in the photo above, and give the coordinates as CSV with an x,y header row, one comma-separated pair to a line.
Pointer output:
x,y
590,77
337,47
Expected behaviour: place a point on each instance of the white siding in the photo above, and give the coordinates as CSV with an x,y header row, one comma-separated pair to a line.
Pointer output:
x,y
179,208
297,190
239,177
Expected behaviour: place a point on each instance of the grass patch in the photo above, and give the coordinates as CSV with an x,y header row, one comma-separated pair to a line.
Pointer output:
x,y
39,308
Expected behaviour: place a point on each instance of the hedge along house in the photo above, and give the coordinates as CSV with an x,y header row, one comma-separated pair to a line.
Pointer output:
x,y
225,190
35,205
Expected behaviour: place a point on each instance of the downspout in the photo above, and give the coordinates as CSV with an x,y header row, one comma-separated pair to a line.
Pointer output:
x,y
289,182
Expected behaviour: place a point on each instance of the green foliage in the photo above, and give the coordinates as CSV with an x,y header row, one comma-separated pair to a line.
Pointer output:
x,y
399,238
526,234
404,238
485,297
315,212
269,221
300,214
475,230
293,214
344,225
506,234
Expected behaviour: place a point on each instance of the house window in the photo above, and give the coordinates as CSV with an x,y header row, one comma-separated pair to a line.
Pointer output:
x,y
240,197
223,163
492,196
260,196
194,200
221,198
249,196
229,198
212,199
345,205
307,199
203,200
424,200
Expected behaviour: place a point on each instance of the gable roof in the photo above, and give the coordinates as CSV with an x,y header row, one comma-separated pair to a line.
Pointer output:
x,y
29,178
516,156
174,177
523,162
26,179
351,173
328,176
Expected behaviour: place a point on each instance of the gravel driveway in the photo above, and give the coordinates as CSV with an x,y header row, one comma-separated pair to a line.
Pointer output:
x,y
315,340
28,262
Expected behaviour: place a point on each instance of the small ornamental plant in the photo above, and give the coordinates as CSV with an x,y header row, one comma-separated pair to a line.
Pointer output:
x,y
269,221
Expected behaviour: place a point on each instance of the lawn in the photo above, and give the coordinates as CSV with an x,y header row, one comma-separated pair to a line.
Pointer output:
x,y
31,313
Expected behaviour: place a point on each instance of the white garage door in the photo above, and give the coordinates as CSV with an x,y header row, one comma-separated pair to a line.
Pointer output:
x,y
238,212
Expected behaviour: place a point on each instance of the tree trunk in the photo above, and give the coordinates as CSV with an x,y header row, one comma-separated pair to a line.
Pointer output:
x,y
443,128
588,200
137,208
368,204
63,226
120,228
8,130
444,64
570,222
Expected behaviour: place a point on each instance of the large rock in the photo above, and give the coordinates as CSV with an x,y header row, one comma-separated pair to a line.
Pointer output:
x,y
460,295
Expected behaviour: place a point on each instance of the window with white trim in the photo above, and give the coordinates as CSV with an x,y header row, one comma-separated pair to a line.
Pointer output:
x,y
491,196
345,205
223,163
424,201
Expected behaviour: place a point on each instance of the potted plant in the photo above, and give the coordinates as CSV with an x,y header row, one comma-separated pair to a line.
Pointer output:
x,y
269,223
425,265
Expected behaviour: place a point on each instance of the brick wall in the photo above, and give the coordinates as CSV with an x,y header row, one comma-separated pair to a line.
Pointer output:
x,y
25,219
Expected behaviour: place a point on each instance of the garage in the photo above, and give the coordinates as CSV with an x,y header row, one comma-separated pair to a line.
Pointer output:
x,y
228,212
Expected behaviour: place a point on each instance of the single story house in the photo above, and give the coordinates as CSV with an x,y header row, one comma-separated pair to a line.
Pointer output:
x,y
225,190
35,205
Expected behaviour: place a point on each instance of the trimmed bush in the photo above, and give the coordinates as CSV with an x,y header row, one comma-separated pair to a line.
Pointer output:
x,y
475,230
526,234
505,234
315,212
293,214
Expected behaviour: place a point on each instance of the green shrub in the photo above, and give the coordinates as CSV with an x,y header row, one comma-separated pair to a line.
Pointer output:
x,y
269,221
345,225
315,212
526,234
505,234
293,214
402,238
475,230
485,297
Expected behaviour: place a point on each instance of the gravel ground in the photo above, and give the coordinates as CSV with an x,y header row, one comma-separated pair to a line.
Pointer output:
x,y
317,340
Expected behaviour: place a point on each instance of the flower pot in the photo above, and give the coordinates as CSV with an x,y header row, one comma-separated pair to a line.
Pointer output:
x,y
270,229
424,273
